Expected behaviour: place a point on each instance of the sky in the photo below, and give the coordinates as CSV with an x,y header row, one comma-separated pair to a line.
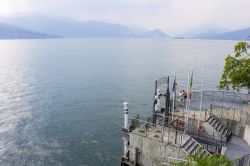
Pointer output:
x,y
171,16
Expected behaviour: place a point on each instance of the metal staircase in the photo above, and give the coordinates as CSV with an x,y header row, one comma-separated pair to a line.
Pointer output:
x,y
219,126
191,146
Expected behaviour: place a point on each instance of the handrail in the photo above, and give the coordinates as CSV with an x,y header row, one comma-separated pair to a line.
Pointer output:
x,y
230,113
137,121
198,143
230,96
238,115
241,161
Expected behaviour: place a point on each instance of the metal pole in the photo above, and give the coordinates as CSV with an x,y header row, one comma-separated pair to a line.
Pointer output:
x,y
233,113
211,108
186,116
222,114
174,94
201,100
240,114
176,132
233,99
167,103
248,94
189,94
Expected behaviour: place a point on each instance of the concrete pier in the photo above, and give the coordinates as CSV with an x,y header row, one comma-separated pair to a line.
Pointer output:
x,y
164,138
155,145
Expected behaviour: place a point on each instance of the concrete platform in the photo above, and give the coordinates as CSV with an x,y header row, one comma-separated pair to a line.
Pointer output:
x,y
236,148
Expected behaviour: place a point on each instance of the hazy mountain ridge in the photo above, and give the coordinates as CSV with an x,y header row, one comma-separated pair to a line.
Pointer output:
x,y
242,34
12,32
156,33
203,30
206,34
70,28
219,34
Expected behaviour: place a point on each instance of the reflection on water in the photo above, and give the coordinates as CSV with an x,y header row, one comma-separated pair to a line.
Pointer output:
x,y
61,100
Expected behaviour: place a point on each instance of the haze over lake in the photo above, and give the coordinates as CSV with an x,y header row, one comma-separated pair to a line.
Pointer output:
x,y
61,99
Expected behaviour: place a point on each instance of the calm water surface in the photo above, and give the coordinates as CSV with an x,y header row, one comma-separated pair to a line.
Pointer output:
x,y
61,100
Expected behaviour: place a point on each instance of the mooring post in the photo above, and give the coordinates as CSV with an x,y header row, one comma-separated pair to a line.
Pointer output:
x,y
125,138
125,115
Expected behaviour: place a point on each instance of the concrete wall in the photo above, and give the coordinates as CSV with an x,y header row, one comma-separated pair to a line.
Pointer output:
x,y
153,152
232,114
236,128
246,135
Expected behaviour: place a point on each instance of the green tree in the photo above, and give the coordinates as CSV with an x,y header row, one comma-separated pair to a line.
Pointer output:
x,y
236,73
206,160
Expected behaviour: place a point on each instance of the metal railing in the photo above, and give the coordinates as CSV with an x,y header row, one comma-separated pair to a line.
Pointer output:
x,y
221,95
235,114
223,98
243,161
230,113
171,134
233,99
159,132
175,133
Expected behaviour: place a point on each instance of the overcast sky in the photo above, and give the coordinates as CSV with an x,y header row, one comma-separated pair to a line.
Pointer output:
x,y
172,16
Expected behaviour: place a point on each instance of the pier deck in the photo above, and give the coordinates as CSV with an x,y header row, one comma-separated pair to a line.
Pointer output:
x,y
236,148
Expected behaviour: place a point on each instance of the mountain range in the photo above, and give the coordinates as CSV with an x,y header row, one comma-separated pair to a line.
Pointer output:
x,y
13,32
41,26
70,28
242,34
216,33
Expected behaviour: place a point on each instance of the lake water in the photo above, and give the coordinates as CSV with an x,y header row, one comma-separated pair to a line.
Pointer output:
x,y
61,100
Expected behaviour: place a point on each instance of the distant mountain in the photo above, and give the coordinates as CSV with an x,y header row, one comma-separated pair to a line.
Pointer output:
x,y
218,34
203,32
206,34
44,24
242,34
157,33
13,32
178,37
70,28
99,29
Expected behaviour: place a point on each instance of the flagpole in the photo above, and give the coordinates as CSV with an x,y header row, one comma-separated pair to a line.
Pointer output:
x,y
190,87
174,94
202,84
189,91
186,118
